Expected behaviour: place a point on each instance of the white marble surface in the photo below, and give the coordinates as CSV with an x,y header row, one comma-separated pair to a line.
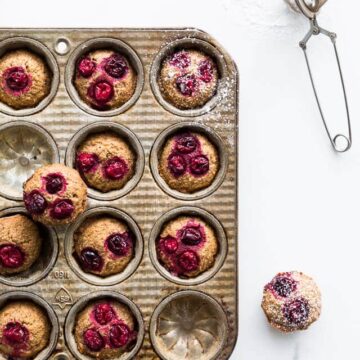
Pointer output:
x,y
299,201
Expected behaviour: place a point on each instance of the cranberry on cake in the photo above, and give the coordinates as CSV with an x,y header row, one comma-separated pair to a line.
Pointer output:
x,y
20,244
25,79
105,330
24,330
103,246
291,301
188,79
105,161
188,162
55,195
104,79
187,246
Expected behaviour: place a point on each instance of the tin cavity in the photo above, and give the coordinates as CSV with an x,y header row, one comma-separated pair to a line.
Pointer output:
x,y
107,328
92,259
189,158
188,84
175,248
188,325
24,147
18,335
19,81
45,261
113,169
112,69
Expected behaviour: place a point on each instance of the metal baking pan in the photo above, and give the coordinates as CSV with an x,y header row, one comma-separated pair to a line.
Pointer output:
x,y
60,122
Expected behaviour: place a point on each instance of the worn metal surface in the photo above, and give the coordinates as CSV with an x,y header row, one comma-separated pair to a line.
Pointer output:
x,y
146,202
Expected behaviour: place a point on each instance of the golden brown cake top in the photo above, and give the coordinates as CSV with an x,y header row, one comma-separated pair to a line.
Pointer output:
x,y
24,79
55,194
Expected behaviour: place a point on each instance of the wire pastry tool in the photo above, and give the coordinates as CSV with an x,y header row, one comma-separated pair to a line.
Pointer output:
x,y
311,8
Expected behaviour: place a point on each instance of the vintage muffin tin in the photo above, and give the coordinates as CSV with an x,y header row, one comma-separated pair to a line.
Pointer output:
x,y
60,122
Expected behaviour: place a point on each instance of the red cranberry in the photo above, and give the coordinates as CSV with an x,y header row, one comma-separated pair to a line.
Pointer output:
x,y
91,260
86,67
283,285
16,78
170,244
119,244
35,203
180,59
206,71
101,91
188,260
116,66
104,313
11,256
115,168
186,143
199,165
86,162
119,335
191,236
296,311
54,183
15,333
177,165
93,340
186,84
61,209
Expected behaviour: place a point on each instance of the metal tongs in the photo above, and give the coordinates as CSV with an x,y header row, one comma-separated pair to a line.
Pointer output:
x,y
311,8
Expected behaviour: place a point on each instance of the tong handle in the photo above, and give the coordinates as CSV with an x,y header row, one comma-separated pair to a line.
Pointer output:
x,y
315,29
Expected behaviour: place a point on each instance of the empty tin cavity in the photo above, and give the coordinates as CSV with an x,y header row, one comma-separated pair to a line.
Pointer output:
x,y
111,279
95,296
184,44
124,133
17,43
97,44
28,296
47,256
192,212
188,325
158,147
24,147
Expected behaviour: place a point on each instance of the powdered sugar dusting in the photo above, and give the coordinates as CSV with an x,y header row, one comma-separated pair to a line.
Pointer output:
x,y
226,105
